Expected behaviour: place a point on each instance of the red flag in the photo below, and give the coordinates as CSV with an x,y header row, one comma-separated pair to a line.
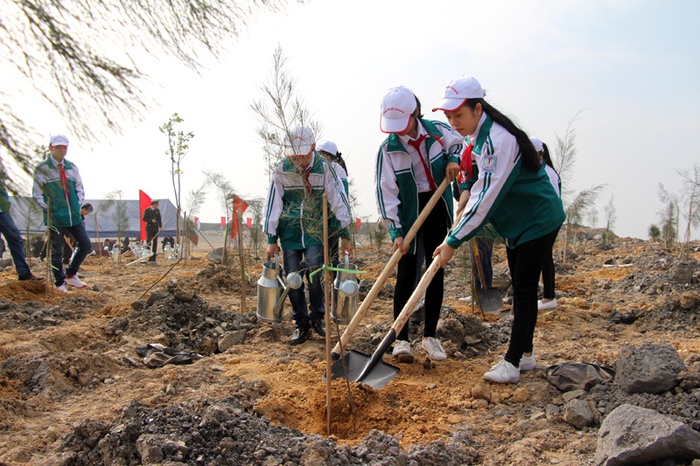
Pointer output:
x,y
196,223
249,222
223,222
358,223
144,203
238,205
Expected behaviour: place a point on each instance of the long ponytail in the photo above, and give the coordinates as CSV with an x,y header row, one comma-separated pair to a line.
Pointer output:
x,y
531,160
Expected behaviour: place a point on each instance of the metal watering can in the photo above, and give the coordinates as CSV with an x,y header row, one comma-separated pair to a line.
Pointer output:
x,y
272,290
345,288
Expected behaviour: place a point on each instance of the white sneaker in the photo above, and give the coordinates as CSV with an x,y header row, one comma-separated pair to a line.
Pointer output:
x,y
75,281
434,349
62,288
401,347
527,363
503,372
542,306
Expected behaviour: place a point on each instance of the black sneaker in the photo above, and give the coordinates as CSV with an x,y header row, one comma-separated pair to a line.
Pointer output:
x,y
299,336
31,277
320,327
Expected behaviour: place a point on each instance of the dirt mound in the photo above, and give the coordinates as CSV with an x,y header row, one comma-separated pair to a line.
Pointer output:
x,y
20,292
74,389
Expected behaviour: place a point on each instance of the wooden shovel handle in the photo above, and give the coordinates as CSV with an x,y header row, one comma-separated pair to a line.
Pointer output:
x,y
388,269
421,287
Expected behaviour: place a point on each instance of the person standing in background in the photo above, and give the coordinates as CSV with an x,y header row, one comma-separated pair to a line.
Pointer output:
x,y
153,225
13,237
58,189
549,300
329,150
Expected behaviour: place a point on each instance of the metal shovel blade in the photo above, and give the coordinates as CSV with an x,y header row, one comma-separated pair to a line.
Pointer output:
x,y
355,362
490,301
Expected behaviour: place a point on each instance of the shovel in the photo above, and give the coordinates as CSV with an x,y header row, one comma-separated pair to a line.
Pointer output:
x,y
373,371
388,268
489,299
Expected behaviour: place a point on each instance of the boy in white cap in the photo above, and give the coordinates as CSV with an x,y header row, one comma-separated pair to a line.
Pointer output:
x,y
412,161
293,215
58,189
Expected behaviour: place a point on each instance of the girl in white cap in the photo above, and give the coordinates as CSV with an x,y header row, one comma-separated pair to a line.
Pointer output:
x,y
412,161
329,150
549,300
512,192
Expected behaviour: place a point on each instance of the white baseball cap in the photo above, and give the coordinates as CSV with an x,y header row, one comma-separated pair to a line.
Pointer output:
x,y
328,146
398,105
539,147
458,91
299,141
58,140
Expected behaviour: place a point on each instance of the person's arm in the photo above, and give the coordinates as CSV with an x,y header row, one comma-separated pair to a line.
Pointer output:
x,y
273,208
79,190
37,191
387,194
159,218
453,147
335,192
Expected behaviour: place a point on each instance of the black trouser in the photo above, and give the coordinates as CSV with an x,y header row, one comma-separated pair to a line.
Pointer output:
x,y
84,246
432,233
548,275
152,239
525,264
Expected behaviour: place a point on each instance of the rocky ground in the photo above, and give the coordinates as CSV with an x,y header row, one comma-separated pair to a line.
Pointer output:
x,y
84,379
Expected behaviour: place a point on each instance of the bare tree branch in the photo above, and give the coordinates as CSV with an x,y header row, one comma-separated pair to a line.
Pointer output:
x,y
78,55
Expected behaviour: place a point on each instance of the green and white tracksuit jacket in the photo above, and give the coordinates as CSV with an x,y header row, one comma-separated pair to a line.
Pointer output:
x,y
343,177
395,181
48,192
293,215
521,205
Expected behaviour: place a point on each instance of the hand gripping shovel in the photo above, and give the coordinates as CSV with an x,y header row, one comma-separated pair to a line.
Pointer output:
x,y
388,268
373,371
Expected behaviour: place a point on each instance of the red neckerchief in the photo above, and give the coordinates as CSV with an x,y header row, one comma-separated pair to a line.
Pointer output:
x,y
416,145
64,181
465,166
307,183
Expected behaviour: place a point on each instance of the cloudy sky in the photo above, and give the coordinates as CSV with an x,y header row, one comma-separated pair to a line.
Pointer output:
x,y
629,69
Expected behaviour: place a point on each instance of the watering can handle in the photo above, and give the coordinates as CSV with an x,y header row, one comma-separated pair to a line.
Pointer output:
x,y
347,260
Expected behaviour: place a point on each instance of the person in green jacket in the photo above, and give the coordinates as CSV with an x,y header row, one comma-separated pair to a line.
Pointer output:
x,y
293,217
513,192
415,158
12,235
58,189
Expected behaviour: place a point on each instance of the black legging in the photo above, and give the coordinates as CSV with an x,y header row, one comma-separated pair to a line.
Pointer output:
x,y
548,276
525,264
432,233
